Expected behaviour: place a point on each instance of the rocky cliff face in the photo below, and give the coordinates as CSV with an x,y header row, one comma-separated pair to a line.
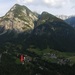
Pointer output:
x,y
18,18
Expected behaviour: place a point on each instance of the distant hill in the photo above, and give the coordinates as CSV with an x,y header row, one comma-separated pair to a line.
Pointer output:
x,y
63,17
68,19
71,21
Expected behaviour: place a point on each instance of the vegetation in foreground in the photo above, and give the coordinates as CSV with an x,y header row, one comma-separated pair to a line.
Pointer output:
x,y
38,64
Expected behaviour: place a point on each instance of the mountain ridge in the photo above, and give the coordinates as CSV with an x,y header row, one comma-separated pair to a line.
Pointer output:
x,y
41,31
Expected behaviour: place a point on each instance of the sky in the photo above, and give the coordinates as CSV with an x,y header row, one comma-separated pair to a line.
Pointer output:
x,y
55,7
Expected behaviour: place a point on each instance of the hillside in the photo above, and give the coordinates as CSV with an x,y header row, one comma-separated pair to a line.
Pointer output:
x,y
54,33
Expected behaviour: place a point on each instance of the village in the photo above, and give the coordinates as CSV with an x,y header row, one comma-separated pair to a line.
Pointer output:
x,y
24,58
59,60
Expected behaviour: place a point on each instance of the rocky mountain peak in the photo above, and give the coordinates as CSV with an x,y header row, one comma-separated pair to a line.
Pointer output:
x,y
21,11
19,18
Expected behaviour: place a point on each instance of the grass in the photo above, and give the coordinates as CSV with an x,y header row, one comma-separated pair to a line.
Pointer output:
x,y
66,55
18,61
72,59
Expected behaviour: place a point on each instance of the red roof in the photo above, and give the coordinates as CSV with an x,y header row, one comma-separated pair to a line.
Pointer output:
x,y
22,58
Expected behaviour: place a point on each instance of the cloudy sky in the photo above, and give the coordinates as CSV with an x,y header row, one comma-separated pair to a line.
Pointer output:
x,y
55,7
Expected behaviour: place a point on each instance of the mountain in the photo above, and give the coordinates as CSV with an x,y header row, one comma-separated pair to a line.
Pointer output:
x,y
54,33
29,44
22,26
71,21
68,19
63,17
18,18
